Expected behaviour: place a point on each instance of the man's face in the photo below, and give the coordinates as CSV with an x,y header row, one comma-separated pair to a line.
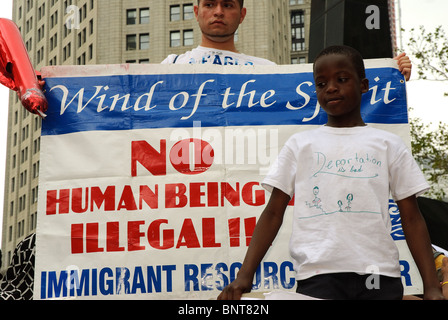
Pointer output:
x,y
219,19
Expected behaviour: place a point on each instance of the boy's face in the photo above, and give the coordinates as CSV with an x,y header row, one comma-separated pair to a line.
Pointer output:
x,y
339,88
219,18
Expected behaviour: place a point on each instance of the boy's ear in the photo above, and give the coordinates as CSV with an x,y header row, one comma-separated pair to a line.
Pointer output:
x,y
365,85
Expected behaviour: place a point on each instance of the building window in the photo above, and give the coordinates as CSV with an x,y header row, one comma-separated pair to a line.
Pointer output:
x,y
33,222
21,228
82,59
34,192
298,30
24,155
131,42
91,52
175,13
175,39
23,178
38,120
40,55
25,132
53,19
188,37
53,42
297,17
67,51
131,16
144,41
188,12
144,16
36,170
29,5
298,60
22,203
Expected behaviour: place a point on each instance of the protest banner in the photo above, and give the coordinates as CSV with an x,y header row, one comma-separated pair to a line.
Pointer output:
x,y
150,175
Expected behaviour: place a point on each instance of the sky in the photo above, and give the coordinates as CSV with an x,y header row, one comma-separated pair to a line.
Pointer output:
x,y
426,98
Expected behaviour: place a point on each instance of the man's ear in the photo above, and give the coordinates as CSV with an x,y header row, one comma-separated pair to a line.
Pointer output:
x,y
243,15
196,11
365,85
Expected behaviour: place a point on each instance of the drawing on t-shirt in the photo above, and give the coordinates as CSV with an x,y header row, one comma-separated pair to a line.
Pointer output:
x,y
346,207
316,203
353,167
360,165
340,204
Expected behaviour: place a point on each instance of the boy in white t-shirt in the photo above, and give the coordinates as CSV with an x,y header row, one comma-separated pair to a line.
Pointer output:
x,y
342,175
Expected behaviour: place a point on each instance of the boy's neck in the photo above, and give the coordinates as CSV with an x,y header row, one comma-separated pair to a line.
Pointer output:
x,y
345,123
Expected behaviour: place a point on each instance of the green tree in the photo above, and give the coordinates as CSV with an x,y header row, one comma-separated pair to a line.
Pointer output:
x,y
431,52
430,150
430,147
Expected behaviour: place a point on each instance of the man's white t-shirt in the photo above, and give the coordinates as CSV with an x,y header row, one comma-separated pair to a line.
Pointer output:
x,y
203,55
342,179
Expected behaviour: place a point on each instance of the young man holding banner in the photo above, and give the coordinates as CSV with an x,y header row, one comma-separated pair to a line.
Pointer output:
x,y
219,20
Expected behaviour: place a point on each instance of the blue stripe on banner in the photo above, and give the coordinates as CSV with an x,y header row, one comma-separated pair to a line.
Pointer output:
x,y
129,102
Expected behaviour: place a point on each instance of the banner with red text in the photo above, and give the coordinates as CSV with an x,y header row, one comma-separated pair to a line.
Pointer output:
x,y
150,175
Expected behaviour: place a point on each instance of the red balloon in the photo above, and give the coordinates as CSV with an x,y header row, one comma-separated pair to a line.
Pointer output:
x,y
16,70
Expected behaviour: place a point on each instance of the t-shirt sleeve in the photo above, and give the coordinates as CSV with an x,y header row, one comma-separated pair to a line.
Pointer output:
x,y
282,173
169,59
260,61
406,178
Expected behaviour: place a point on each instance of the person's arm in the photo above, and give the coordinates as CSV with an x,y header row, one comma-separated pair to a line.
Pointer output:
x,y
419,244
264,234
445,277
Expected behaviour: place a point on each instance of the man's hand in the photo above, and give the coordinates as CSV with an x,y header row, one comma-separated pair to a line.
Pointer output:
x,y
404,65
41,84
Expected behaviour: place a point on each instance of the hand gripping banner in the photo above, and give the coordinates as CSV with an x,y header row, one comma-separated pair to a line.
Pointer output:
x,y
150,175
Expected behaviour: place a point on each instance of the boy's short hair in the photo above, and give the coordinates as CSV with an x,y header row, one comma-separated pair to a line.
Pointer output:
x,y
240,1
351,53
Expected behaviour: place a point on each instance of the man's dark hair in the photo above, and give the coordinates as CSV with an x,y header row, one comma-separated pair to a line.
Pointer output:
x,y
240,1
349,52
